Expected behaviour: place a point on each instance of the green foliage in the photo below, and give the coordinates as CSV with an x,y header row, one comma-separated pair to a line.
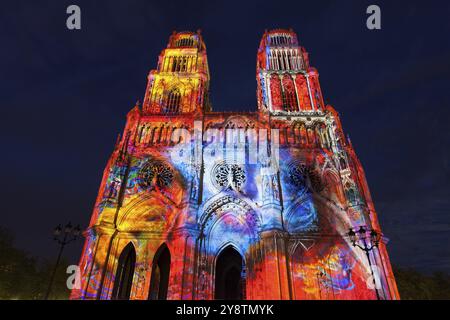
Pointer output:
x,y
413,285
25,277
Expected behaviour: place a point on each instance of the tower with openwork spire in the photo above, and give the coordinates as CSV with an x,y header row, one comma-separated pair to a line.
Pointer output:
x,y
198,204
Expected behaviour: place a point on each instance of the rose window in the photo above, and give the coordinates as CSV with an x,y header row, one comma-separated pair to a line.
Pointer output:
x,y
155,173
305,177
228,176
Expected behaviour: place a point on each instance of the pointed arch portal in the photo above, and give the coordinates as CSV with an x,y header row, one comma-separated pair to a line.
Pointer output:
x,y
229,279
160,274
124,274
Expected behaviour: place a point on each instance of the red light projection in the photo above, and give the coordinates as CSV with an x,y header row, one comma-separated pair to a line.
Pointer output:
x,y
196,204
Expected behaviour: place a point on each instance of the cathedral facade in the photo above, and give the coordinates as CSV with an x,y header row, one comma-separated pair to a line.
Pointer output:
x,y
271,204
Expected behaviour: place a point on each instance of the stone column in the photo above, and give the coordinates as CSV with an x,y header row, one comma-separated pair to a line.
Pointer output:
x,y
309,92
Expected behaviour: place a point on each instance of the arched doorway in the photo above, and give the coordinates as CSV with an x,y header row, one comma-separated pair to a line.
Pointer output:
x,y
230,280
160,274
124,274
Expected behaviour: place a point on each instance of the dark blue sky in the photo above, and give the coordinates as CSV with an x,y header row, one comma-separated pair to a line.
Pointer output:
x,y
64,96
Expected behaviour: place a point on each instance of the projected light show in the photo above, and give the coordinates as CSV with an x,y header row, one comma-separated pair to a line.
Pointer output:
x,y
271,204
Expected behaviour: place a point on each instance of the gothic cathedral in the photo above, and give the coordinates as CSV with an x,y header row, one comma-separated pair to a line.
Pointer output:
x,y
271,204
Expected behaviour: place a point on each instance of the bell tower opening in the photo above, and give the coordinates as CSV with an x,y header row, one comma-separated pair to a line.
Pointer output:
x,y
229,278
160,274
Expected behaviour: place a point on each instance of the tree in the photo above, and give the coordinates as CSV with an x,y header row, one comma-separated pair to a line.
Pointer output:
x,y
413,285
23,276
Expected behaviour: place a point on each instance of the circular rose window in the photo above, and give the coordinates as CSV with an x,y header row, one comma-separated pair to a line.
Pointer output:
x,y
226,175
155,173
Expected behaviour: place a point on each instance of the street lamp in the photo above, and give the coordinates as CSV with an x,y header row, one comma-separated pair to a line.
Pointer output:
x,y
63,237
366,240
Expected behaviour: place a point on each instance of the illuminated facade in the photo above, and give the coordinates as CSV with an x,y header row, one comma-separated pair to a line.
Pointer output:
x,y
196,204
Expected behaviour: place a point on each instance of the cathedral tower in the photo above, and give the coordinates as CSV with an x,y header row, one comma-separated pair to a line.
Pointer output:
x,y
286,82
180,83
196,204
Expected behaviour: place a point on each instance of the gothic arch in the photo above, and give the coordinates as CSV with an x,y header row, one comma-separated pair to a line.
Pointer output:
x,y
156,206
304,243
289,94
229,267
123,280
228,219
173,101
159,281
299,132
222,203
235,122
229,243
305,282
333,185
276,92
230,225
302,215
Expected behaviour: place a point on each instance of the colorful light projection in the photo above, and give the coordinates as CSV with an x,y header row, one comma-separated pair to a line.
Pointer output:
x,y
190,182
328,272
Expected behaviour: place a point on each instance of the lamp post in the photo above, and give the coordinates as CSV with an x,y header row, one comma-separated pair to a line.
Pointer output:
x,y
359,238
63,237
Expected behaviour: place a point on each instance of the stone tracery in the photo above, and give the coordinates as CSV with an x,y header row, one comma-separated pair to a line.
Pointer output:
x,y
155,173
305,177
226,176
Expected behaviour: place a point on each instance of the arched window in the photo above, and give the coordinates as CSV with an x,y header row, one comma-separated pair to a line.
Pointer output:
x,y
173,101
159,282
276,92
289,96
124,274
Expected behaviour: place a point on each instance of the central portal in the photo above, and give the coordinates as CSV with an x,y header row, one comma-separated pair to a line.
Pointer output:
x,y
230,284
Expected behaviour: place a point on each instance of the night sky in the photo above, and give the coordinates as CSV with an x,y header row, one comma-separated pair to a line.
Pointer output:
x,y
64,96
